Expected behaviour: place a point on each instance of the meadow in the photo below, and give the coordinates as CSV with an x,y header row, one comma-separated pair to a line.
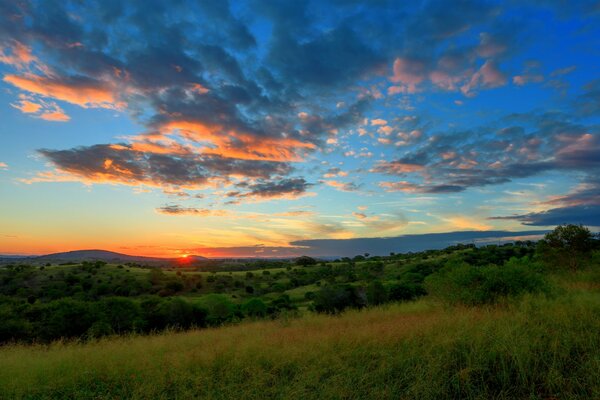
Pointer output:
x,y
535,348
524,327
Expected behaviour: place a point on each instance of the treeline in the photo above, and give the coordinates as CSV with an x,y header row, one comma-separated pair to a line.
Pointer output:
x,y
69,318
471,275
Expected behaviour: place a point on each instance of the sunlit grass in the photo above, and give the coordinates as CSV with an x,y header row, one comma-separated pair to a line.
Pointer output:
x,y
536,348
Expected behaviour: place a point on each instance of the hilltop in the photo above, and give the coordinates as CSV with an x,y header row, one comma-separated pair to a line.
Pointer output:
x,y
78,256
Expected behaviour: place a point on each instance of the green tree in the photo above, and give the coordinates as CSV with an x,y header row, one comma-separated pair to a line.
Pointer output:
x,y
254,308
567,246
305,261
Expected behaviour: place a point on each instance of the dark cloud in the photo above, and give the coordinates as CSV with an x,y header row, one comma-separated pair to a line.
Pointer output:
x,y
124,164
287,188
456,161
336,57
580,206
588,103
581,214
406,243
175,209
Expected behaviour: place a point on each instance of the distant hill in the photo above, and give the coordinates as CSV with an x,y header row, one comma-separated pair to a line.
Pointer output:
x,y
101,255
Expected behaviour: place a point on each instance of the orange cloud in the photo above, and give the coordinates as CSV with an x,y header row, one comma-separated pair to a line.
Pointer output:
x,y
460,222
27,107
17,55
397,167
48,111
58,116
245,146
401,186
84,93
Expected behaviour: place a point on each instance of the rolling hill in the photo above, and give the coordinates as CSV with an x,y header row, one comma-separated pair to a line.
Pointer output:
x,y
99,255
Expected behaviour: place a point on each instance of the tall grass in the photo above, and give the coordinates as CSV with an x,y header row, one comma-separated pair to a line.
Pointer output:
x,y
538,348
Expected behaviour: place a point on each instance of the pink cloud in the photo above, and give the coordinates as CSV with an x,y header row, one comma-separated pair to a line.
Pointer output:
x,y
17,55
524,79
408,73
488,76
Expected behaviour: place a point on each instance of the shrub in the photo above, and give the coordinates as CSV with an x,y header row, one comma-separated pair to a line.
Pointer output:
x,y
219,308
566,246
405,291
305,261
333,299
122,314
254,308
376,293
469,285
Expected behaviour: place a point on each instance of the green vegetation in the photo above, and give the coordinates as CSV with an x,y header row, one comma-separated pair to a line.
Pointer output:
x,y
536,348
464,322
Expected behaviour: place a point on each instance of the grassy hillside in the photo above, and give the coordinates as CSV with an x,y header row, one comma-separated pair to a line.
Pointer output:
x,y
537,347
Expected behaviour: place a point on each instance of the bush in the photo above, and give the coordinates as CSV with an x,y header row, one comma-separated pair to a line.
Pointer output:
x,y
219,308
122,314
305,261
469,285
405,291
254,308
566,246
333,299
376,293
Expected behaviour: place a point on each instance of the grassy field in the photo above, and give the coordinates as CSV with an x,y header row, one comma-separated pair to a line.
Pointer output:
x,y
533,348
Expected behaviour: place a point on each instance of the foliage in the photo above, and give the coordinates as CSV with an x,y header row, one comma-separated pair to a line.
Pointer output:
x,y
254,308
95,299
567,246
538,348
333,299
471,285
305,261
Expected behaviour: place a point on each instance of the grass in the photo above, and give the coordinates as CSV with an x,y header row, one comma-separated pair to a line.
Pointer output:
x,y
534,348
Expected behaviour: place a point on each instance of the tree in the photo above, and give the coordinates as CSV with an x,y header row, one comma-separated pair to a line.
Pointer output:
x,y
305,261
567,245
254,308
333,299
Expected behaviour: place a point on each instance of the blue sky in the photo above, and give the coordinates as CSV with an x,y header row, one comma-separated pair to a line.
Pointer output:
x,y
247,127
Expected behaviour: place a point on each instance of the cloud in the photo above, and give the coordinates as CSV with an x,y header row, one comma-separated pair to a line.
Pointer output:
x,y
220,103
82,91
342,186
563,71
456,161
289,188
579,206
406,243
46,110
580,214
174,209
3,165
488,76
16,54
123,164
521,80
57,115
588,103
404,186
397,167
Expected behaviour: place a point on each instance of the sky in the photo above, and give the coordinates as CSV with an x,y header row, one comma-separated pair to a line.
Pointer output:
x,y
261,127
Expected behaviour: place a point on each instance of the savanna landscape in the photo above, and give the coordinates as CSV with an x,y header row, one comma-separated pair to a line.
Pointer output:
x,y
518,320
300,199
